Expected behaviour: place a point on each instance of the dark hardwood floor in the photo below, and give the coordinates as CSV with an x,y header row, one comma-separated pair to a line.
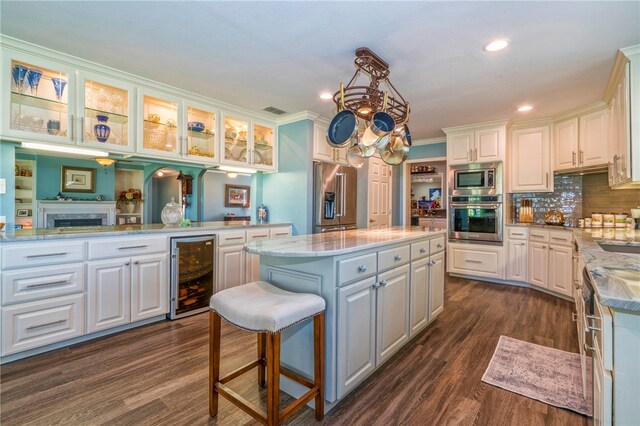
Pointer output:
x,y
157,374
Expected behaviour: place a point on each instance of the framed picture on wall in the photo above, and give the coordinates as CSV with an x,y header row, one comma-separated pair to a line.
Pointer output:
x,y
23,212
78,179
237,196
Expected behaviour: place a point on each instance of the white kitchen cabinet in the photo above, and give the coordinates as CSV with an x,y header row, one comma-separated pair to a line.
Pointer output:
x,y
109,294
436,285
602,394
419,310
252,272
160,124
322,151
560,269
530,166
476,260
392,312
517,260
538,264
231,267
477,143
357,335
582,141
149,290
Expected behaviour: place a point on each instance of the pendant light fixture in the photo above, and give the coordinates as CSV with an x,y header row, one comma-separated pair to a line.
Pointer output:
x,y
105,162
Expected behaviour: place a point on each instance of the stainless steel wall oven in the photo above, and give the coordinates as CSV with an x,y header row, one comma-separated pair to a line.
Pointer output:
x,y
475,218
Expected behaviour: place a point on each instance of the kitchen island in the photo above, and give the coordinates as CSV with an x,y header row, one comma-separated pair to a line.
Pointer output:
x,y
382,287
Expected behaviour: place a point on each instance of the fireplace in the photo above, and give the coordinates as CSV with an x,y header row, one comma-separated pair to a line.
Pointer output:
x,y
55,214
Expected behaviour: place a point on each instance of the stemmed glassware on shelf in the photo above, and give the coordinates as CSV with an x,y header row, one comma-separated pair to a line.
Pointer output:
x,y
59,84
19,72
33,78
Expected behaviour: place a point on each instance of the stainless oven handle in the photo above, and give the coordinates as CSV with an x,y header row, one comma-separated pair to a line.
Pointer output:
x,y
475,206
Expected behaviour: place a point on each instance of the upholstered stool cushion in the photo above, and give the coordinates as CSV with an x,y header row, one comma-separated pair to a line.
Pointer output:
x,y
263,307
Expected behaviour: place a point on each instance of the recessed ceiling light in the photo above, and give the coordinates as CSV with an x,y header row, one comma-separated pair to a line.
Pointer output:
x,y
326,95
525,108
495,45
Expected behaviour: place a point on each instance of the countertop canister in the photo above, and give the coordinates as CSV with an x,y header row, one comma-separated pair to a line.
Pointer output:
x,y
608,220
620,220
596,220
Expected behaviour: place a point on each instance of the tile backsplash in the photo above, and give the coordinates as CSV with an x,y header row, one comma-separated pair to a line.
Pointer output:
x,y
576,197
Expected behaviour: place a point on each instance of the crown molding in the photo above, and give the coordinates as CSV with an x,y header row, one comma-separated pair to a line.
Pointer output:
x,y
475,126
429,141
532,123
299,116
585,109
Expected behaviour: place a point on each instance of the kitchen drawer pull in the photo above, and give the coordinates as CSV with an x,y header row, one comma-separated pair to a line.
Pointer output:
x,y
473,261
517,233
131,247
439,245
558,238
397,258
376,285
282,233
233,238
34,256
35,327
423,250
261,236
45,284
362,268
383,283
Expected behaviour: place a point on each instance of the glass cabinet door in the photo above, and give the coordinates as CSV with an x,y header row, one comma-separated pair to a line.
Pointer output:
x,y
160,126
262,155
200,133
106,111
236,147
39,102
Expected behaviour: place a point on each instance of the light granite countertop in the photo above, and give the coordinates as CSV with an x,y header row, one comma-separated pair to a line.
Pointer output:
x,y
338,243
542,225
103,231
616,275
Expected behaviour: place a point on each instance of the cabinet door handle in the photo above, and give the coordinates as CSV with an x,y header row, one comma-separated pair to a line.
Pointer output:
x,y
131,247
550,248
423,250
397,258
34,256
573,158
469,155
362,268
383,283
137,262
46,284
547,179
581,157
34,327
81,129
475,157
72,126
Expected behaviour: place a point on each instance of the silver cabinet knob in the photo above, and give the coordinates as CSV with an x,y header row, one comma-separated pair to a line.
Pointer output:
x,y
423,250
398,258
376,285
371,220
362,268
383,283
136,262
439,245
127,264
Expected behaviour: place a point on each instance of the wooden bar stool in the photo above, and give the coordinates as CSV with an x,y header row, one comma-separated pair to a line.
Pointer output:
x,y
267,310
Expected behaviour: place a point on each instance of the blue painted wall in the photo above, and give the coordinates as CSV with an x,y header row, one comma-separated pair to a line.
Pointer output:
x,y
213,197
48,178
288,194
415,153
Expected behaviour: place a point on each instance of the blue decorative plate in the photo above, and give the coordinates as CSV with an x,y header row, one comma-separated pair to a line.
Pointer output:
x,y
196,126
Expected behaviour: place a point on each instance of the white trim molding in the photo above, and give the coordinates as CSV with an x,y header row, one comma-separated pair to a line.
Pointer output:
x,y
430,141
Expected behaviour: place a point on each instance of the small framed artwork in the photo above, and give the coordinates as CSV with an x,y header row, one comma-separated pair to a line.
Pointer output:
x,y
23,212
78,179
237,196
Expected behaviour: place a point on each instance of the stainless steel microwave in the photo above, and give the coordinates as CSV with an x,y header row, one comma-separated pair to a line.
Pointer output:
x,y
476,179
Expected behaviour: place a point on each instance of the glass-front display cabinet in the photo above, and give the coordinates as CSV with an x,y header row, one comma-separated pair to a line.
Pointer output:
x,y
37,99
263,153
236,141
158,129
106,108
200,133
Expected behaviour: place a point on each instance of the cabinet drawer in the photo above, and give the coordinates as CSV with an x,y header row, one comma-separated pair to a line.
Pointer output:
x,y
39,253
560,237
419,250
257,234
437,245
517,233
393,257
356,268
122,247
231,238
539,235
281,231
38,283
33,324
472,261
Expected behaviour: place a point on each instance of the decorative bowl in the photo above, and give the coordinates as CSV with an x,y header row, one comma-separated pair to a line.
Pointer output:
x,y
196,126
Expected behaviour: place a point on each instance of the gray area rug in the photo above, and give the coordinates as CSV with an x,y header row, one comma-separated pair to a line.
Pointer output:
x,y
548,375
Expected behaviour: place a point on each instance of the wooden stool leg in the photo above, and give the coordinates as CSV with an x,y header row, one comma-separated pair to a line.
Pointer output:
x,y
214,361
273,379
318,360
262,351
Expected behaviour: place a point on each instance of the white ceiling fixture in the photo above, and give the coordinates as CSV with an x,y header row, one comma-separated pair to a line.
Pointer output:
x,y
525,108
495,45
432,48
326,96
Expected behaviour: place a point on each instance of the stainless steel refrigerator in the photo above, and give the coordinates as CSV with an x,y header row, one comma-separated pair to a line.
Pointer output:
x,y
334,197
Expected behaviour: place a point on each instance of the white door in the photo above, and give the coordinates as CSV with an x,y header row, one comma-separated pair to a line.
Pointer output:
x,y
392,328
459,148
530,160
231,267
487,145
252,272
517,263
593,139
560,269
538,264
149,286
565,144
419,311
109,294
436,285
379,194
356,334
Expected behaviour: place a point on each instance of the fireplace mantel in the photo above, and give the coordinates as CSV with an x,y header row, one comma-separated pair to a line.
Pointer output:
x,y
50,210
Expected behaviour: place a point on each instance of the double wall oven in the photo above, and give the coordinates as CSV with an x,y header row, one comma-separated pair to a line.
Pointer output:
x,y
475,202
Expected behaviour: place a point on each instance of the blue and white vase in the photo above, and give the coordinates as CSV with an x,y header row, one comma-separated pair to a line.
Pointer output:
x,y
101,130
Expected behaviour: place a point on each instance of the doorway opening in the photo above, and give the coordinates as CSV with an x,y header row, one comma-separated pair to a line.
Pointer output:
x,y
163,185
425,192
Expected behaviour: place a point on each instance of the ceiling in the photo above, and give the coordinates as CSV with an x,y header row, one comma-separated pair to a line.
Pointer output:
x,y
256,54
